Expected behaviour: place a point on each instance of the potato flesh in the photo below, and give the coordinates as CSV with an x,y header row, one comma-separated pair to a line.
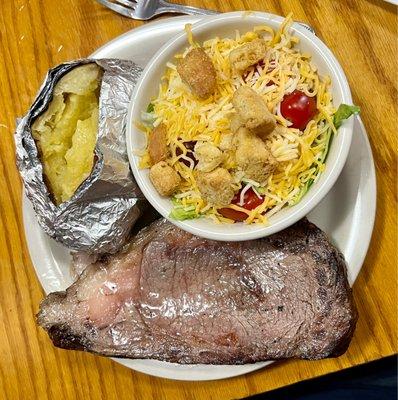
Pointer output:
x,y
80,163
66,132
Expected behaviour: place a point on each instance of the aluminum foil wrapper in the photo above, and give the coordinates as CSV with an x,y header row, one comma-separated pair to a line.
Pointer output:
x,y
99,216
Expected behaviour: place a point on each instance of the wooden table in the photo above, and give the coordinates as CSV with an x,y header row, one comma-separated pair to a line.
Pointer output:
x,y
38,34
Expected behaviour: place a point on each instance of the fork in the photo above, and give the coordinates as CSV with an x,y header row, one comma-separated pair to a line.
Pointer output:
x,y
147,9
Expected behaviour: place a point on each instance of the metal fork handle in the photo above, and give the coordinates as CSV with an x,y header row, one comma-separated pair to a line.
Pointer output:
x,y
166,7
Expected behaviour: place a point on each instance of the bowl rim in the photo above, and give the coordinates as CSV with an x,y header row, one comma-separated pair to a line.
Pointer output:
x,y
306,204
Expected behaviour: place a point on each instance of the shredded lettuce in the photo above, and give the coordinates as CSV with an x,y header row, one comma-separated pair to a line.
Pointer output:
x,y
261,190
304,190
327,147
343,112
151,108
148,117
180,212
309,183
176,202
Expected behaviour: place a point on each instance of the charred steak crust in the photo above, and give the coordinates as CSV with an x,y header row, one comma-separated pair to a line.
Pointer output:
x,y
63,337
253,322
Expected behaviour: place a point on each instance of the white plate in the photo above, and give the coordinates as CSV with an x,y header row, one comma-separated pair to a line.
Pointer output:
x,y
346,214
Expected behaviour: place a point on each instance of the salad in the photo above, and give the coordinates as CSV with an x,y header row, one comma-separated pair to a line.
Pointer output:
x,y
240,127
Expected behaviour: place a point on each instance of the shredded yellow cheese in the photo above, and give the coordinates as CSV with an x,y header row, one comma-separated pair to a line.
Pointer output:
x,y
188,30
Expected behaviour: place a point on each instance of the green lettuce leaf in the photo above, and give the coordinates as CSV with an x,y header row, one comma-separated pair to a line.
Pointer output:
x,y
180,214
328,143
148,116
343,112
150,108
303,191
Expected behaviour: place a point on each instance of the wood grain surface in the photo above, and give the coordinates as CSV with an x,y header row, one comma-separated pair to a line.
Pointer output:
x,y
38,34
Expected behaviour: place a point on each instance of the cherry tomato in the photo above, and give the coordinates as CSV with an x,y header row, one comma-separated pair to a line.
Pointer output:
x,y
235,215
190,154
250,202
298,108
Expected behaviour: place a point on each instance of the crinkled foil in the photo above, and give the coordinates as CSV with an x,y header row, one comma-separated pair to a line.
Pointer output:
x,y
101,213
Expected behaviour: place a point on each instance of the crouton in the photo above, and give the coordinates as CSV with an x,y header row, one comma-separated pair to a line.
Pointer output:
x,y
247,55
216,186
253,156
198,72
226,142
157,146
253,111
164,178
209,156
236,123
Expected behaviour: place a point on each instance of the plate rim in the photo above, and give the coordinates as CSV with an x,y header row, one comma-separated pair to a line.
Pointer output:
x,y
372,203
246,368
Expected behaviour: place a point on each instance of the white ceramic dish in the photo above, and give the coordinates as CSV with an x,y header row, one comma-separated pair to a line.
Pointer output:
x,y
346,214
225,25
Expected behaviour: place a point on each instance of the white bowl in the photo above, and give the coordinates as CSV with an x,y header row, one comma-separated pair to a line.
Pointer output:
x,y
225,25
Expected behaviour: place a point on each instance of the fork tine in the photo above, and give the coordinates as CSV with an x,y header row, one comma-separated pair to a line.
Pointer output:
x,y
128,3
127,12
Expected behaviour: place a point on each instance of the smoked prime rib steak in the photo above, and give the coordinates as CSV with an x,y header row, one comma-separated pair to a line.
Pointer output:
x,y
176,297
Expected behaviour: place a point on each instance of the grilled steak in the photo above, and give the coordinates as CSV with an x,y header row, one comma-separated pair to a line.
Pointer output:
x,y
176,297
